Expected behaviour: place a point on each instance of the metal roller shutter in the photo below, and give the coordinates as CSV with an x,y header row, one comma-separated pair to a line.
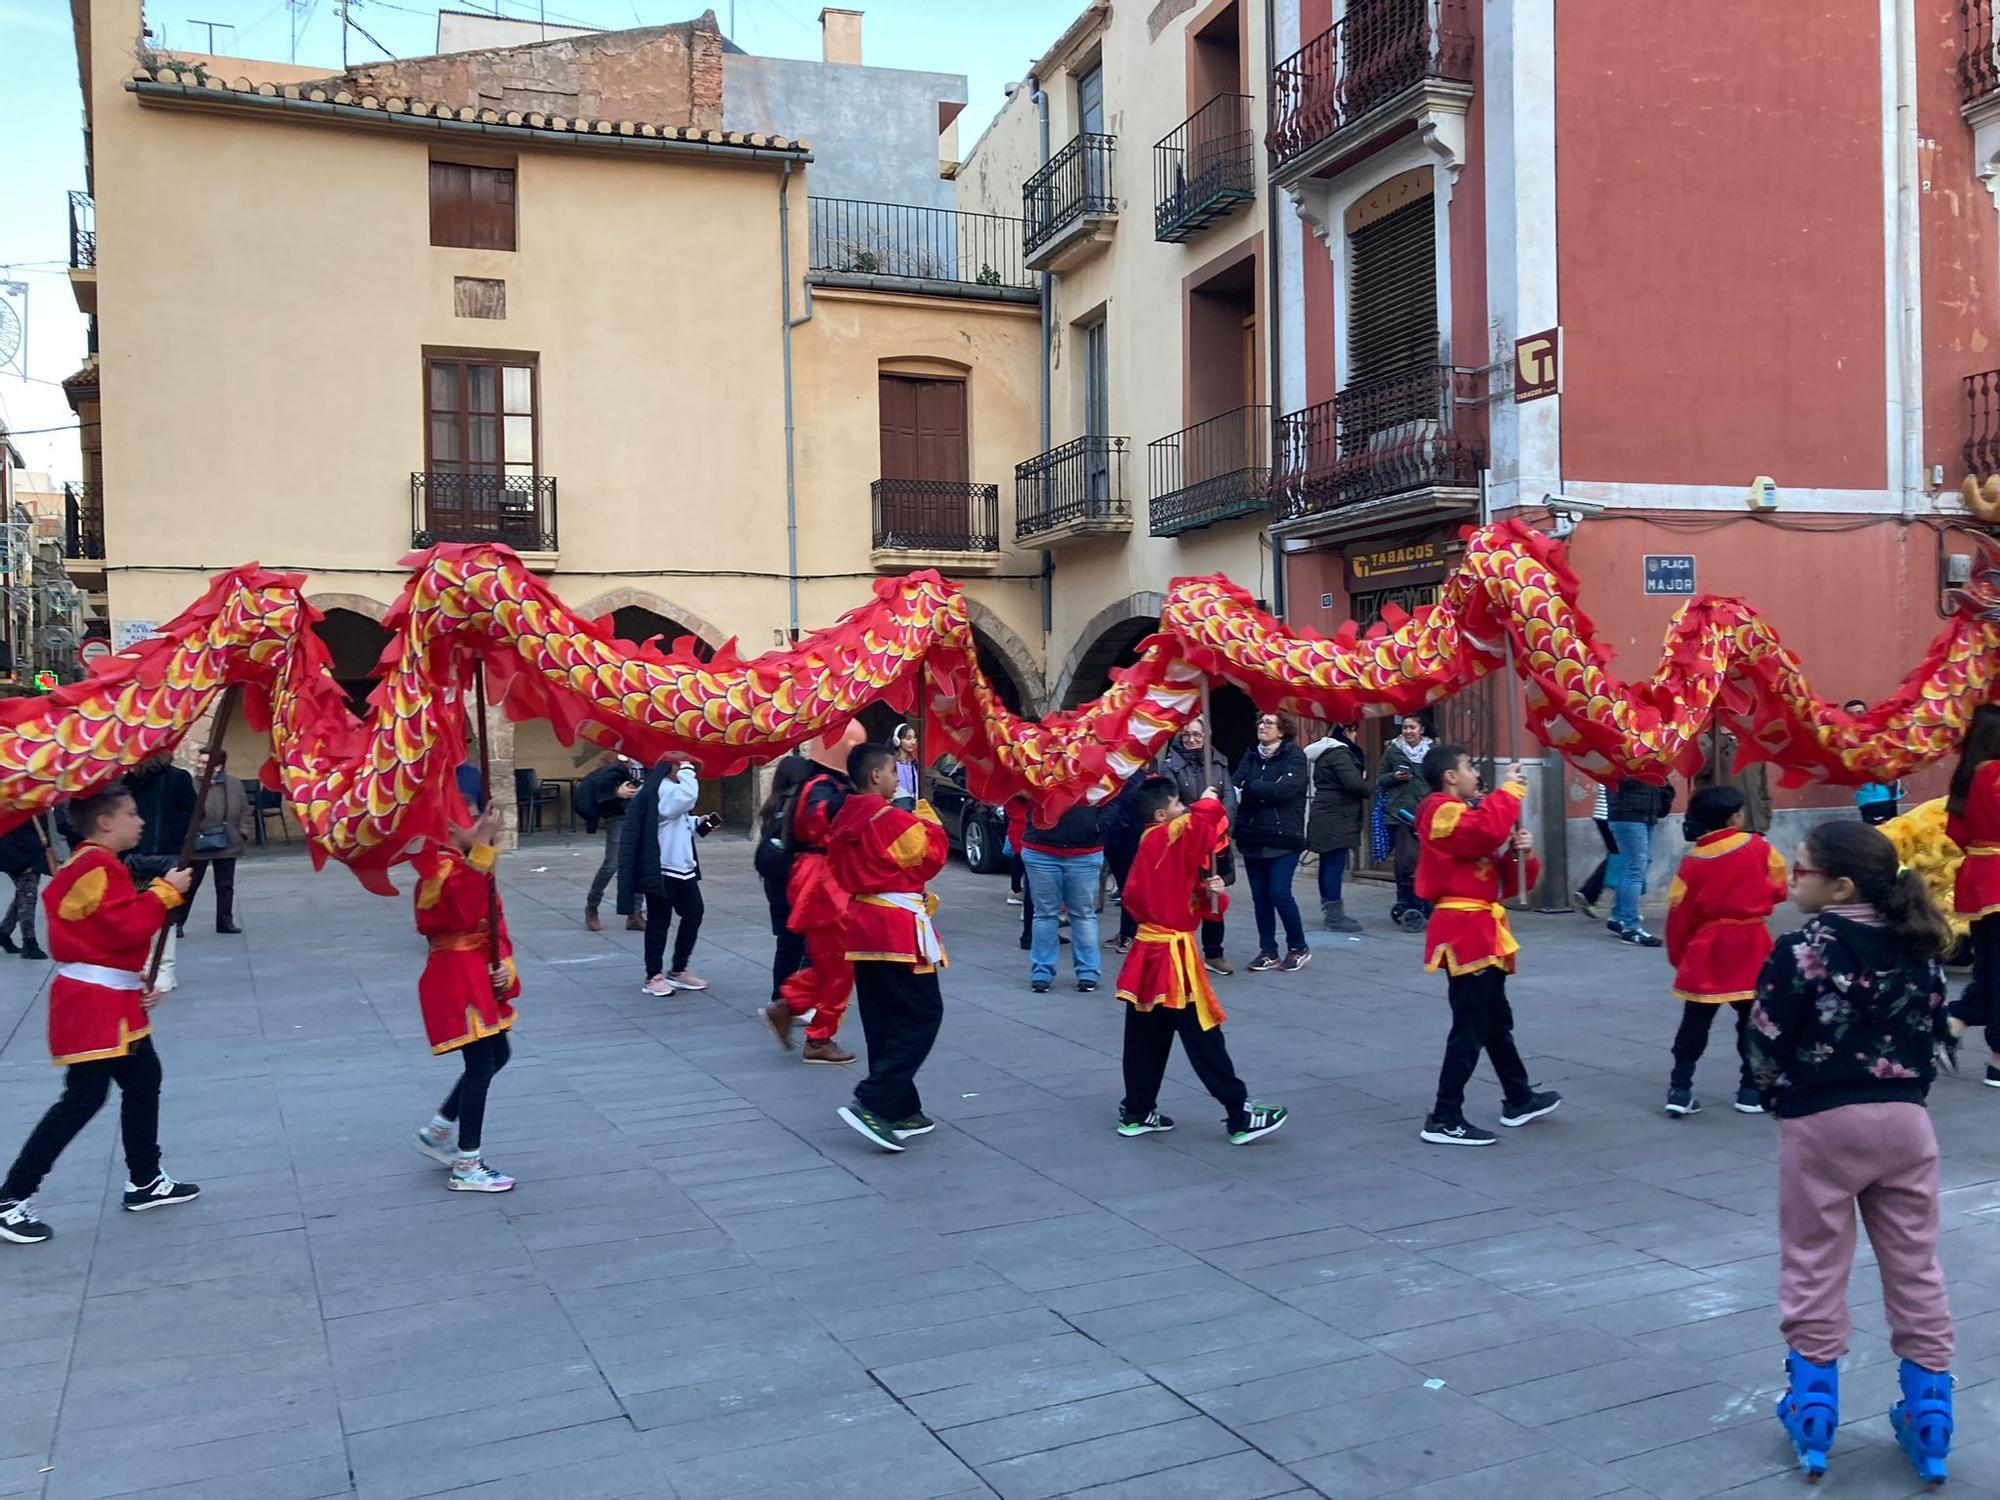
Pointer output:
x,y
1392,306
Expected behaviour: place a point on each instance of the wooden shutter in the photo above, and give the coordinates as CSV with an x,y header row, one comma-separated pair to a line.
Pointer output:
x,y
1392,301
941,431
899,428
472,208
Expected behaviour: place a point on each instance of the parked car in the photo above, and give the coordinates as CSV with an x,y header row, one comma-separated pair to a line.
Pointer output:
x,y
977,830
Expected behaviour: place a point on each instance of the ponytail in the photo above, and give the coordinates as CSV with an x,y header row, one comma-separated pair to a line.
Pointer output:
x,y
1865,856
1981,744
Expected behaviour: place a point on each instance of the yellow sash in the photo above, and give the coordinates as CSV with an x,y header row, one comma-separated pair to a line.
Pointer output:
x,y
1504,943
1190,974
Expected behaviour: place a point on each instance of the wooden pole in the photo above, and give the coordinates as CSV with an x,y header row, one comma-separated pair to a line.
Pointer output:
x,y
48,849
923,713
485,803
217,728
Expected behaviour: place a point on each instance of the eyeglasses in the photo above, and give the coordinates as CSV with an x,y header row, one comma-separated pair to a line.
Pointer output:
x,y
1798,870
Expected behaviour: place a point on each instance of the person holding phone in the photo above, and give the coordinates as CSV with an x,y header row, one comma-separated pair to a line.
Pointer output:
x,y
657,863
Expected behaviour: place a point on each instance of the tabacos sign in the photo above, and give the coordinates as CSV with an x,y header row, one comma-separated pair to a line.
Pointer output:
x,y
1390,564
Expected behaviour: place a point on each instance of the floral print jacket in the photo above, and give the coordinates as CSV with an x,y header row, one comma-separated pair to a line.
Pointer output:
x,y
1843,1015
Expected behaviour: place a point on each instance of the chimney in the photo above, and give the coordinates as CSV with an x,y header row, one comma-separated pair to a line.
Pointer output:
x,y
840,35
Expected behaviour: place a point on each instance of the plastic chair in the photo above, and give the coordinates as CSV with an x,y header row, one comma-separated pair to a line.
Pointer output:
x,y
263,803
530,796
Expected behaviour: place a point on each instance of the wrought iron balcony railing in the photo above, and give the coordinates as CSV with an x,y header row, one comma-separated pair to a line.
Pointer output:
x,y
912,243
1366,58
1982,430
1212,471
1075,183
82,231
83,521
1083,480
447,505
1411,430
1979,63
935,515
1204,168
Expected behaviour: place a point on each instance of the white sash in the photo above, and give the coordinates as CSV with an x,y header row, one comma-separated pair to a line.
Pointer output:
x,y
103,978
927,938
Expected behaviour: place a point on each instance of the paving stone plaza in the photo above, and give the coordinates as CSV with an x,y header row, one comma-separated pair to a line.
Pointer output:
x,y
707,1286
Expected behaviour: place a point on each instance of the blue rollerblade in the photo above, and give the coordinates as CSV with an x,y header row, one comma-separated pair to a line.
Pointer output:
x,y
1810,1411
1922,1420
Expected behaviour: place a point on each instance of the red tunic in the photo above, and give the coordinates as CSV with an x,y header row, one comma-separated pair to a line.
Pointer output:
x,y
1464,867
1166,895
1717,942
1976,893
882,856
813,897
98,919
456,994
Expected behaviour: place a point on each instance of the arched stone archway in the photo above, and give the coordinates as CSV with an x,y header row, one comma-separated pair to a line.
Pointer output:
x,y
690,622
1109,641
354,638
999,646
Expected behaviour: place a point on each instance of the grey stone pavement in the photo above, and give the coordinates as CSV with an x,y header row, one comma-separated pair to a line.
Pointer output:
x,y
707,1286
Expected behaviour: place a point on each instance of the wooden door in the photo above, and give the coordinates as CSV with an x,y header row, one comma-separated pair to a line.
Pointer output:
x,y
925,465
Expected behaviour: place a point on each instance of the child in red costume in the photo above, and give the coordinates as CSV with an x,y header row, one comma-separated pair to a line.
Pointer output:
x,y
817,908
1728,883
101,935
1973,823
1170,890
466,997
1470,856
882,856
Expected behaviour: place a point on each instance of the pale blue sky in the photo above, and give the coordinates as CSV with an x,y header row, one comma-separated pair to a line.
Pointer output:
x,y
990,41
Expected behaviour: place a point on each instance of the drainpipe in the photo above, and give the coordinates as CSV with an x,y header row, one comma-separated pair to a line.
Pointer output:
x,y
1909,267
1048,558
1273,319
785,341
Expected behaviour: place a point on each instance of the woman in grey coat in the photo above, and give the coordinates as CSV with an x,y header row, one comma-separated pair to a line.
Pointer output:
x,y
1335,817
223,822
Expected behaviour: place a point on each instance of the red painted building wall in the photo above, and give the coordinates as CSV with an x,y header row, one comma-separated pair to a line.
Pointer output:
x,y
1719,212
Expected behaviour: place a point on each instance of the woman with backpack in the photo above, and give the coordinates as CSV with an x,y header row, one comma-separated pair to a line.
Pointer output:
x,y
773,863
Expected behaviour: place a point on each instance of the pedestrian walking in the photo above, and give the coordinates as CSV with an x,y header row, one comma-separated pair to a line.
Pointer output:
x,y
1842,1040
909,775
816,907
1399,784
164,795
657,865
773,864
221,836
1194,765
1118,820
100,1028
1636,808
1611,868
1972,821
1335,816
24,860
1065,861
602,799
1272,782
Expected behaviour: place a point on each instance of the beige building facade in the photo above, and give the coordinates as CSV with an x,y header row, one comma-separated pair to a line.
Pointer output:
x,y
376,313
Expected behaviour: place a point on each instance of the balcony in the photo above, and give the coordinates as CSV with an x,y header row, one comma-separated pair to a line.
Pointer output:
x,y
935,523
1982,409
1204,169
1077,490
516,509
1404,447
1382,64
904,248
83,252
1068,207
83,530
1979,63
1213,471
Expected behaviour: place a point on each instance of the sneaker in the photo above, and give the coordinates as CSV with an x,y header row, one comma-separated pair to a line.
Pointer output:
x,y
1218,965
1153,1122
684,980
657,987
474,1176
1531,1108
159,1193
1583,903
1947,1053
1613,926
1086,985
828,1051
1992,1077
1639,937
1296,960
1263,963
917,1124
878,1130
1262,1120
19,1226
777,1018
1014,901
1121,944
438,1148
1039,986
1454,1133
1682,1102
1749,1102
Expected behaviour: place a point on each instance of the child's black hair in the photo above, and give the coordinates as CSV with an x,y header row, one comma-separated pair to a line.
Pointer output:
x,y
865,759
1442,758
84,811
1981,744
1841,848
1155,794
1710,810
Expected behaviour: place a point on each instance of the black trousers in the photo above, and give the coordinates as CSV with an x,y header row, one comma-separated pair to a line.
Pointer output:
x,y
1405,856
1120,861
901,1011
683,897
1149,1041
1593,886
1211,937
225,891
86,1085
21,910
466,1103
790,956
1975,1006
1691,1040
1481,1021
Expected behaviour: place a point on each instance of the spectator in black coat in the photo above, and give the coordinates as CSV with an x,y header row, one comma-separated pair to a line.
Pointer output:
x,y
1271,785
24,860
1335,818
165,797
1636,807
600,800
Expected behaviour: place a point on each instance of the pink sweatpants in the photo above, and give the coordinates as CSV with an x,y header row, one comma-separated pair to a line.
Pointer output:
x,y
1883,1157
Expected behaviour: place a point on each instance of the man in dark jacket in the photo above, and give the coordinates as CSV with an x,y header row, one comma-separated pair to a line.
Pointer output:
x,y
165,797
1194,765
1118,821
600,800
1065,861
1635,807
24,859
